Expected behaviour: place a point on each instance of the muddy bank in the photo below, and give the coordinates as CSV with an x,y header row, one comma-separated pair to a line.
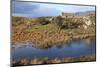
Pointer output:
x,y
46,60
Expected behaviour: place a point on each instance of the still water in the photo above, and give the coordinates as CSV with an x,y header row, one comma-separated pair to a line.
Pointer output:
x,y
75,48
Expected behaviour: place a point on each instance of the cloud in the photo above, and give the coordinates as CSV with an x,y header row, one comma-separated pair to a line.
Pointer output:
x,y
43,9
32,9
46,12
22,7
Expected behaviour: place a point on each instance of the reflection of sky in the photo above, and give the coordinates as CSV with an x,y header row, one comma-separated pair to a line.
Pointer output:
x,y
41,9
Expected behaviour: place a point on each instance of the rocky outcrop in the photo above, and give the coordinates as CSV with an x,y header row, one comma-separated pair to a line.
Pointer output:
x,y
84,21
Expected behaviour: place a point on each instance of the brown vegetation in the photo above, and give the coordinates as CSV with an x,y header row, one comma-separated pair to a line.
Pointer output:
x,y
45,33
53,61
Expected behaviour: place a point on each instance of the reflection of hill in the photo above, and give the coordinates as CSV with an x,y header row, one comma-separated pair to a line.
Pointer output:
x,y
90,41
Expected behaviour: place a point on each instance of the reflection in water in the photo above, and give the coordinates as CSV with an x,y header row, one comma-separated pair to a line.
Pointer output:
x,y
88,41
75,48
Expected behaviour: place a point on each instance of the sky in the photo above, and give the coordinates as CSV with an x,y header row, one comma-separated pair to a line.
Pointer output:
x,y
31,9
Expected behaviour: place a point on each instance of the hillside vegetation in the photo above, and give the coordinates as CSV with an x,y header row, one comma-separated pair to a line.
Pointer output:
x,y
47,31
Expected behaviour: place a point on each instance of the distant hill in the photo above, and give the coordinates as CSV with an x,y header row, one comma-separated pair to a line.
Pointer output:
x,y
84,13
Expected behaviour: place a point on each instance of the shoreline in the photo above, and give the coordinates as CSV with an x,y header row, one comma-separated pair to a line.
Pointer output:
x,y
52,42
54,61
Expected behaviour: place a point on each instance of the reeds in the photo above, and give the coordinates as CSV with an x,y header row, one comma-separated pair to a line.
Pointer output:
x,y
45,39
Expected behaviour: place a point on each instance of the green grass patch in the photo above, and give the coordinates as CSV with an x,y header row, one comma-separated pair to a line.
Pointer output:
x,y
48,27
